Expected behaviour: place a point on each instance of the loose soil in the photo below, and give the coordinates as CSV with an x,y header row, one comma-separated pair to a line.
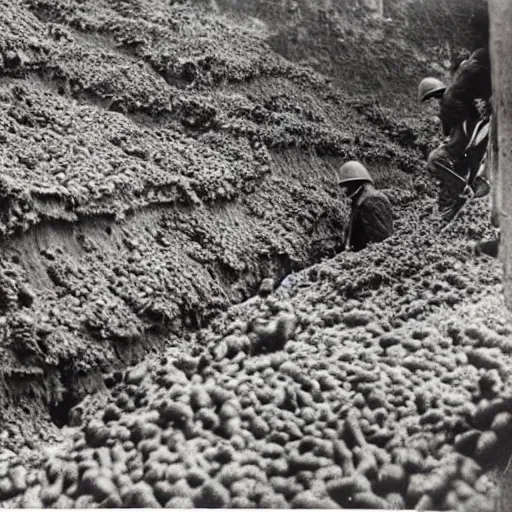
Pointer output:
x,y
163,159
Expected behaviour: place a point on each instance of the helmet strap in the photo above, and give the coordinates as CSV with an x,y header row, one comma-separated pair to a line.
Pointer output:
x,y
356,192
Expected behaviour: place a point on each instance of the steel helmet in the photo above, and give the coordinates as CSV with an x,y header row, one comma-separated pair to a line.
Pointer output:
x,y
353,171
430,87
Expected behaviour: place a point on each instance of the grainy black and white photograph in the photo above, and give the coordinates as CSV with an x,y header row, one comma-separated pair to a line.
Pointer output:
x,y
256,254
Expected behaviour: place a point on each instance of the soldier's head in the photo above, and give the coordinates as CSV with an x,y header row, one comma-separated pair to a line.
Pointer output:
x,y
430,87
351,175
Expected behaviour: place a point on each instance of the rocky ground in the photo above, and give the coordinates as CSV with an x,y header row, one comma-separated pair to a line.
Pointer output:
x,y
377,379
161,164
152,177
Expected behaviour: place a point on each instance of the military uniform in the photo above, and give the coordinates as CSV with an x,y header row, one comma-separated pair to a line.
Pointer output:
x,y
446,164
371,218
470,82
459,116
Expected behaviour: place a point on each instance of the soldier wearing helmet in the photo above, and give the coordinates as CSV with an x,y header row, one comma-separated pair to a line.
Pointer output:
x,y
371,218
471,81
459,117
430,88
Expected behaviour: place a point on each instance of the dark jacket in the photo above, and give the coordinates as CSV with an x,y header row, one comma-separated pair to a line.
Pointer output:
x,y
471,81
371,218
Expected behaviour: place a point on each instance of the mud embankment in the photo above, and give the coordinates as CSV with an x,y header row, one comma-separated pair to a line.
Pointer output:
x,y
364,53
102,293
151,178
159,161
375,379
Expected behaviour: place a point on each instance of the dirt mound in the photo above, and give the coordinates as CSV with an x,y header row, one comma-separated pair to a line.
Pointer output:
x,y
160,161
152,177
385,390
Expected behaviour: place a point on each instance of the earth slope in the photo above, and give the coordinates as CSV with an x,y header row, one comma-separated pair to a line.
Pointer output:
x,y
154,173
377,379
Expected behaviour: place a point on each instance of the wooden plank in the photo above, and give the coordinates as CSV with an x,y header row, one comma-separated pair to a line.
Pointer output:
x,y
500,47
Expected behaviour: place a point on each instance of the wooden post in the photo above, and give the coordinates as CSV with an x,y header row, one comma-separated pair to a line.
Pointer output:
x,y
500,47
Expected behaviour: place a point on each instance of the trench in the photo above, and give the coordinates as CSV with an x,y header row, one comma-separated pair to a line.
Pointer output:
x,y
71,241
292,221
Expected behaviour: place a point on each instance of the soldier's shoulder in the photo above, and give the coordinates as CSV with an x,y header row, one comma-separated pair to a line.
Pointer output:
x,y
376,193
482,54
376,198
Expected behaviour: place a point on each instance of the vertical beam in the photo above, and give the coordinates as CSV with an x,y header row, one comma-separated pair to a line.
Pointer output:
x,y
500,46
500,164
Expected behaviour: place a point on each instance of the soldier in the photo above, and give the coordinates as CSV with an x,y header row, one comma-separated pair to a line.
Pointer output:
x,y
471,81
430,88
455,164
371,218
